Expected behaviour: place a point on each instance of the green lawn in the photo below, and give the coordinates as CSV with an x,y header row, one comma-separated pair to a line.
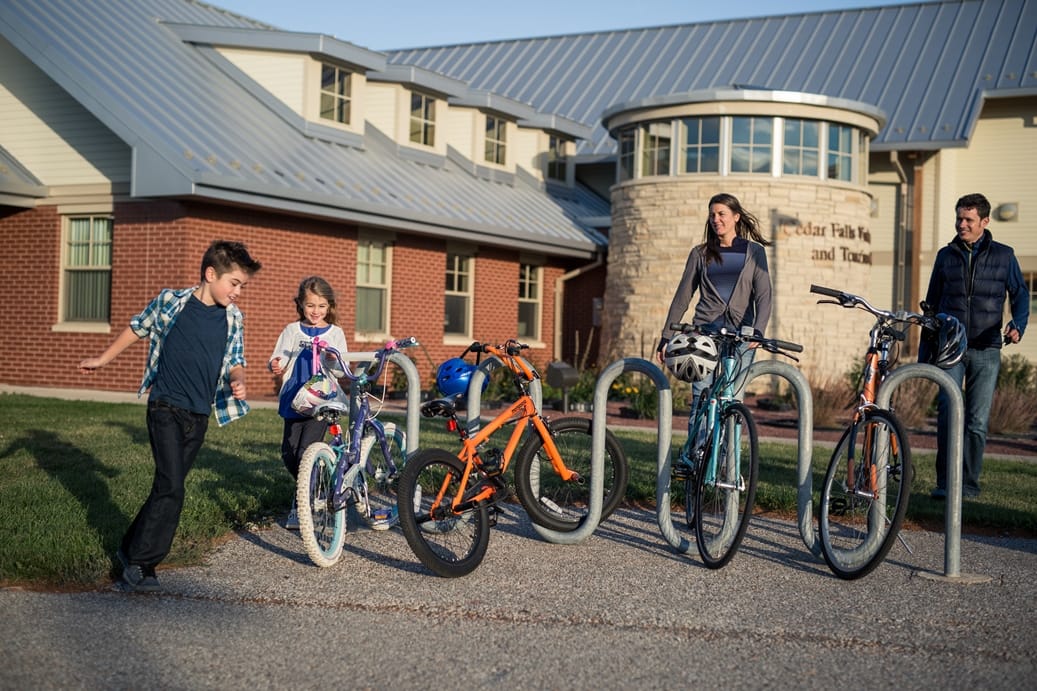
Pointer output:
x,y
74,473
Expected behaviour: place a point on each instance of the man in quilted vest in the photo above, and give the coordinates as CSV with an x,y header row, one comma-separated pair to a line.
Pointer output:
x,y
971,278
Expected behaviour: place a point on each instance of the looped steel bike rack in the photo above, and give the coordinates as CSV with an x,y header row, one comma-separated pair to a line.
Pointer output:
x,y
413,391
955,457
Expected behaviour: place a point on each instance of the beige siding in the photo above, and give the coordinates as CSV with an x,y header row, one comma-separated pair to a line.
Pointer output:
x,y
381,108
462,129
522,150
49,133
282,74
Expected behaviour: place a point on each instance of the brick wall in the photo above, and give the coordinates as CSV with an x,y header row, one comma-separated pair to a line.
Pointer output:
x,y
160,244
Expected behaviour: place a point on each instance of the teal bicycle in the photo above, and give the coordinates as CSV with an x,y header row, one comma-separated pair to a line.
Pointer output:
x,y
718,464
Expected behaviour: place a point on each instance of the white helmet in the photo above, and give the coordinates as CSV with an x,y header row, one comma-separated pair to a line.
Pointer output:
x,y
691,358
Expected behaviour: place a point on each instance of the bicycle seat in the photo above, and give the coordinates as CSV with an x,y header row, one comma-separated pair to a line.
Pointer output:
x,y
330,407
440,407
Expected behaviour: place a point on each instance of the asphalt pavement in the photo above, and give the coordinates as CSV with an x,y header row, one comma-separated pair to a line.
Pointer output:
x,y
620,609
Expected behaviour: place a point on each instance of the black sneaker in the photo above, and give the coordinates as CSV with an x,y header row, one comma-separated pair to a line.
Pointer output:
x,y
137,578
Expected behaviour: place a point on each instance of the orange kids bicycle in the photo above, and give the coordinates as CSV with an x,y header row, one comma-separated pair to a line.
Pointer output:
x,y
868,480
449,501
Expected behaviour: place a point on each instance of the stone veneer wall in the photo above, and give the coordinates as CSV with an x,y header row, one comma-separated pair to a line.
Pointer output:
x,y
820,234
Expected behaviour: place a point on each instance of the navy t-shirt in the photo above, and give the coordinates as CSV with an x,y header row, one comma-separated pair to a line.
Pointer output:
x,y
724,274
191,358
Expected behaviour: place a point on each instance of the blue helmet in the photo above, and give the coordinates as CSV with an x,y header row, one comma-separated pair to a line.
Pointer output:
x,y
453,376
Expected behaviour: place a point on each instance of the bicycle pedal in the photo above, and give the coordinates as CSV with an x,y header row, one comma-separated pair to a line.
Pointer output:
x,y
491,515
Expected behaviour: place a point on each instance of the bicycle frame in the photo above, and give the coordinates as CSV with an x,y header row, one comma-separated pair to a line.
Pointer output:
x,y
522,409
348,449
720,393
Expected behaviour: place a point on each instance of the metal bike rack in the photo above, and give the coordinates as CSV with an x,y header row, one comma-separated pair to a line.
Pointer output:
x,y
805,425
413,392
955,457
598,423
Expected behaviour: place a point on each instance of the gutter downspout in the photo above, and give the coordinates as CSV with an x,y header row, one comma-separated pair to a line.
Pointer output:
x,y
901,234
560,293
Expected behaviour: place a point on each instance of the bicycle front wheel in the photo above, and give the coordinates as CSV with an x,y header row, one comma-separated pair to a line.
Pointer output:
x,y
447,543
559,505
382,473
725,493
864,496
322,530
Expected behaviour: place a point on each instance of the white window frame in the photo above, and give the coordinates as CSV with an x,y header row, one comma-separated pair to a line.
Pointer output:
x,y
531,276
340,94
365,242
495,149
422,119
459,284
94,246
557,164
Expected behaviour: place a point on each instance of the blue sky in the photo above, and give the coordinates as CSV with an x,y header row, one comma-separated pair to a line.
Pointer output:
x,y
412,23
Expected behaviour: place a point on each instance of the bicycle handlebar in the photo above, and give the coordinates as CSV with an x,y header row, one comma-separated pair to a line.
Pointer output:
x,y
849,301
746,335
381,355
510,347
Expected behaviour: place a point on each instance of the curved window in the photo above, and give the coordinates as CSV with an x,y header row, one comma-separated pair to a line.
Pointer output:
x,y
655,147
751,144
700,150
626,155
840,152
801,151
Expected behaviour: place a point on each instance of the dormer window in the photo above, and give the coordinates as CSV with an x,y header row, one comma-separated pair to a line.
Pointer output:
x,y
556,158
335,95
422,119
496,140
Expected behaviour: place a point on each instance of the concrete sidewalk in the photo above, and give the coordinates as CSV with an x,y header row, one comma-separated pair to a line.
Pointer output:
x,y
618,610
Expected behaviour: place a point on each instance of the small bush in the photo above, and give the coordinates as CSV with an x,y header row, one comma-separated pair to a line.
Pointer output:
x,y
1013,411
913,402
833,398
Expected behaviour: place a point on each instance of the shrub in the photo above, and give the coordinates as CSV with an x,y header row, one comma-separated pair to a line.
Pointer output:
x,y
1013,411
913,402
833,397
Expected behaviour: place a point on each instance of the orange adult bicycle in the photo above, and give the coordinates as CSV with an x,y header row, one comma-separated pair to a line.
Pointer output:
x,y
448,501
868,480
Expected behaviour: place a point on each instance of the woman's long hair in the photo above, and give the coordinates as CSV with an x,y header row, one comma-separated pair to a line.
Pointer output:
x,y
748,226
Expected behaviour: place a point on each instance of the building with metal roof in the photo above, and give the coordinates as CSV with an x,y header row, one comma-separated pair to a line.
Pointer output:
x,y
940,98
160,123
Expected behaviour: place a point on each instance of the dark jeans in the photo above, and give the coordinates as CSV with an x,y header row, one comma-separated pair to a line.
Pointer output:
x,y
978,369
176,437
298,434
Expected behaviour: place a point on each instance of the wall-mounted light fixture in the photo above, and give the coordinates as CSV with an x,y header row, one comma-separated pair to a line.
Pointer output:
x,y
1009,211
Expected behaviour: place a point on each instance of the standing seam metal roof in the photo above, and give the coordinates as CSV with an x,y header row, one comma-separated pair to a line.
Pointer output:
x,y
197,131
928,66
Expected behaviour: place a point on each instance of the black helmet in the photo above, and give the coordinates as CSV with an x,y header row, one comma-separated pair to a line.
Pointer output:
x,y
949,342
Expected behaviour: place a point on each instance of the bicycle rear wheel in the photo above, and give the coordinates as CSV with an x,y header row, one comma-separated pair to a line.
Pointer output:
x,y
865,494
448,544
322,530
724,498
382,473
559,505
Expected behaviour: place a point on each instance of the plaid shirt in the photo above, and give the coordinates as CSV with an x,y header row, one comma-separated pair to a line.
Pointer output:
x,y
156,321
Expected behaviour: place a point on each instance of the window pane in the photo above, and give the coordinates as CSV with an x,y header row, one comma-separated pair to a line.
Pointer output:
x,y
528,320
370,310
456,321
626,155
